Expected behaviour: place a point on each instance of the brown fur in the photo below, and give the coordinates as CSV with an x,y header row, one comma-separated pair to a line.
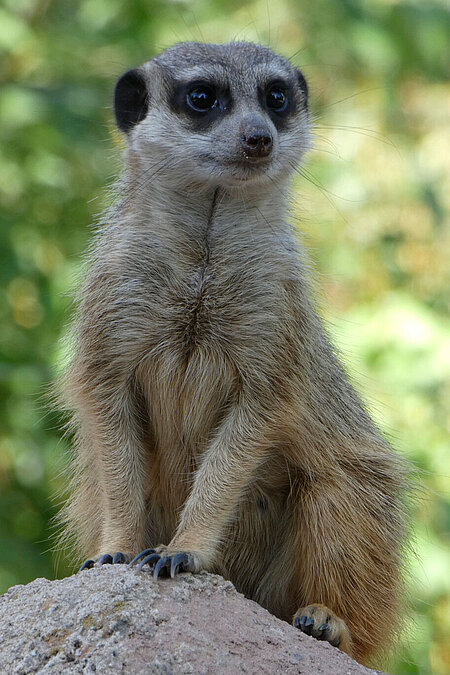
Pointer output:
x,y
211,413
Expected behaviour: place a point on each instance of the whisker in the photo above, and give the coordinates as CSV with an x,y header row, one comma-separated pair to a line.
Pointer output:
x,y
370,133
326,193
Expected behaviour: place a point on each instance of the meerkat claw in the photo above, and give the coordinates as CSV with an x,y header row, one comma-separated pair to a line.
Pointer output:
x,y
105,559
168,565
87,565
321,632
140,555
307,624
162,564
150,560
182,562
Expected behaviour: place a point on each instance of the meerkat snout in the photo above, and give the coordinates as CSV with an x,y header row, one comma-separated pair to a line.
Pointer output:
x,y
257,142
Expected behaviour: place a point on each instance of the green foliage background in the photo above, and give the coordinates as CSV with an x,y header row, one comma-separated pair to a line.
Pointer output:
x,y
372,200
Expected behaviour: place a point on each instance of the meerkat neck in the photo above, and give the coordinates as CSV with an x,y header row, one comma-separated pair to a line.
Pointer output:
x,y
199,209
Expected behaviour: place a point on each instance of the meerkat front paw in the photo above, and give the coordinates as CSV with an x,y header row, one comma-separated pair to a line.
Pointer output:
x,y
106,559
166,562
323,624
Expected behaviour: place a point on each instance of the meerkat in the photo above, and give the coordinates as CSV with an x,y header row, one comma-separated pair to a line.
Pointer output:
x,y
215,428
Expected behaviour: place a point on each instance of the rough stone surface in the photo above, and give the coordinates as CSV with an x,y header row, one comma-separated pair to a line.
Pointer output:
x,y
114,619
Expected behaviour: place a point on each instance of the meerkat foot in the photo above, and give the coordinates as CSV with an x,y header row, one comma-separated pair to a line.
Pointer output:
x,y
323,624
165,564
106,559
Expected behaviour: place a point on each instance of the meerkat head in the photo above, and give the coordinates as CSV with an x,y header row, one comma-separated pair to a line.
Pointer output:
x,y
215,114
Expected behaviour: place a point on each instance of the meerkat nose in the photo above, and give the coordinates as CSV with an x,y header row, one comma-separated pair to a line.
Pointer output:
x,y
257,142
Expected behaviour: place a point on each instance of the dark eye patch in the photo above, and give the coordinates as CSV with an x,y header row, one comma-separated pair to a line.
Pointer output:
x,y
277,98
200,102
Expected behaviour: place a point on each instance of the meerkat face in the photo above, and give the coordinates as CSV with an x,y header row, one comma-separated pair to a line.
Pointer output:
x,y
227,115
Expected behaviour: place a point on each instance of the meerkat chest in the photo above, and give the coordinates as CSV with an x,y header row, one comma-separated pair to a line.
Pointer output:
x,y
217,285
211,315
227,301
215,320
221,294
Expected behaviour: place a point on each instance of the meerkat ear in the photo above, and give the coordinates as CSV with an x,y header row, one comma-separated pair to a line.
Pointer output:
x,y
130,100
303,85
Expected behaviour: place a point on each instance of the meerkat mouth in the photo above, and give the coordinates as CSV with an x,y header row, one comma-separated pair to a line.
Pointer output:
x,y
246,171
251,166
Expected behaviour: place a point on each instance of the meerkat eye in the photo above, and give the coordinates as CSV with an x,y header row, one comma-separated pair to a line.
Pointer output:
x,y
277,99
202,98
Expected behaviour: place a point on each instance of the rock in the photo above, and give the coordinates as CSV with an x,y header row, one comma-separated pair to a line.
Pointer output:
x,y
113,619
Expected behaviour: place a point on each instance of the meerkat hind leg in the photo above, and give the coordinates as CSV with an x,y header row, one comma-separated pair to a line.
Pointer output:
x,y
323,624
